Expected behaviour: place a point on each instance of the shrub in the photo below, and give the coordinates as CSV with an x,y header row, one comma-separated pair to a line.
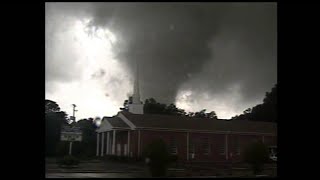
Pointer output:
x,y
256,155
159,158
62,148
69,161
173,158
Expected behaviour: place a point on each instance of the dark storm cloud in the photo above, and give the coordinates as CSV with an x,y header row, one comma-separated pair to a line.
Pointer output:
x,y
219,44
208,48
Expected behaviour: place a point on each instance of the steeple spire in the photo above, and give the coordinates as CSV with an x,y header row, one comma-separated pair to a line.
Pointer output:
x,y
136,107
136,91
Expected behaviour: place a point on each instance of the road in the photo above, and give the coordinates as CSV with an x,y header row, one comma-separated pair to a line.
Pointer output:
x,y
93,175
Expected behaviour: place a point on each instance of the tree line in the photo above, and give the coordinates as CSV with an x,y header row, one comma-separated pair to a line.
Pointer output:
x,y
55,119
267,111
151,106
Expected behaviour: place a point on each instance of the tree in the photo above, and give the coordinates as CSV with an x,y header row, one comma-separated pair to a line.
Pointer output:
x,y
211,115
267,111
54,119
181,112
247,111
86,147
126,104
190,114
171,109
51,106
200,114
151,106
256,154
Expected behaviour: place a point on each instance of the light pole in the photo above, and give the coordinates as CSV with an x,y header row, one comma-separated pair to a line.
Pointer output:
x,y
74,119
74,110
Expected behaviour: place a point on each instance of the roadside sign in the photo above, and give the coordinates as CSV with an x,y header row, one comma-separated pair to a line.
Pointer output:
x,y
71,134
66,136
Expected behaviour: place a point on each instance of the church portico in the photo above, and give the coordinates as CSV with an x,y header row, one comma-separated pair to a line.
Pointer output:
x,y
114,142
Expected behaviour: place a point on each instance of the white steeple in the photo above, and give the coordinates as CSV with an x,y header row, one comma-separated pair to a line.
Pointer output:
x,y
136,92
136,107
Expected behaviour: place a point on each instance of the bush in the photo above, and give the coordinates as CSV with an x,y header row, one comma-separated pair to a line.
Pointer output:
x,y
256,155
62,148
173,158
69,161
159,158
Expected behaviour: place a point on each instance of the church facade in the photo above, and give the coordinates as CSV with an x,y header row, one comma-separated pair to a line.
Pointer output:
x,y
191,139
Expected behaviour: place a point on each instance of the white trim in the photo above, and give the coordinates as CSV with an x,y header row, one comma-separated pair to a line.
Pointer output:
x,y
114,142
127,121
102,145
108,143
105,125
97,154
122,128
204,131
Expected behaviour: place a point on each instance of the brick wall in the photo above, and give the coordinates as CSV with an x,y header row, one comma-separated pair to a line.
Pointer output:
x,y
217,147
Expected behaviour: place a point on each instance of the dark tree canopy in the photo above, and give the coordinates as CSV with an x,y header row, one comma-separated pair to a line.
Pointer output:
x,y
267,111
51,106
54,120
151,106
87,147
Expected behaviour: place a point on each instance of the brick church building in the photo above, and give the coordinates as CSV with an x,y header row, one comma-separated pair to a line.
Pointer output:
x,y
191,139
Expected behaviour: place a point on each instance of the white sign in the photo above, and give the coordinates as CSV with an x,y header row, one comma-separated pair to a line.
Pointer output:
x,y
66,136
71,134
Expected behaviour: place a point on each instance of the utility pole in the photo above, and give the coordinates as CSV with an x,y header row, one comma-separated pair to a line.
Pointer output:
x,y
74,120
74,110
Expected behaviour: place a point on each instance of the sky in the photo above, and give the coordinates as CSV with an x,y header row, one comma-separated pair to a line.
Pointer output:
x,y
216,56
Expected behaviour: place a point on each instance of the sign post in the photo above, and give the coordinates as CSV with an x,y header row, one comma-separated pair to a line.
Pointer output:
x,y
71,134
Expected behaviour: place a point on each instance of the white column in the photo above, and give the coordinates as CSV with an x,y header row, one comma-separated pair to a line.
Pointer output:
x,y
138,143
70,148
108,143
188,146
114,142
102,145
97,144
226,147
128,147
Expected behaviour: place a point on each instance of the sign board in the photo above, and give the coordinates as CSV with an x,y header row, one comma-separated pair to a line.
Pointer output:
x,y
71,134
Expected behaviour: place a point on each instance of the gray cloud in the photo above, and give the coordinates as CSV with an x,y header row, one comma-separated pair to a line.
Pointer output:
x,y
173,40
204,47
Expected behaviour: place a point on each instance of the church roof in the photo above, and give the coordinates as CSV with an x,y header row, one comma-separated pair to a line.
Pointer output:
x,y
201,124
117,122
